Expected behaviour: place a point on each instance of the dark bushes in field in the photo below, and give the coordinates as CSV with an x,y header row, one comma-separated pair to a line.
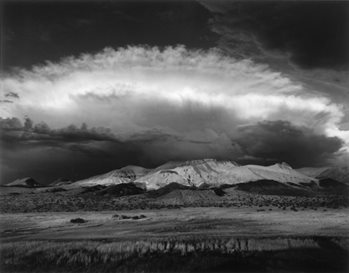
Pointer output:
x,y
78,221
125,217
121,190
93,189
219,191
56,190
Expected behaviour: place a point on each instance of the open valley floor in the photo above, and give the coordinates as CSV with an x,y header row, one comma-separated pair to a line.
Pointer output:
x,y
176,240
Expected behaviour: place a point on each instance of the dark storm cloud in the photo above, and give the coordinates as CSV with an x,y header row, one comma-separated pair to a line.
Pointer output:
x,y
276,141
76,152
47,162
79,152
36,150
13,131
153,135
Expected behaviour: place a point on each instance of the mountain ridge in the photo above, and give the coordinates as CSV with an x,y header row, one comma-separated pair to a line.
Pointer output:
x,y
195,173
214,172
199,173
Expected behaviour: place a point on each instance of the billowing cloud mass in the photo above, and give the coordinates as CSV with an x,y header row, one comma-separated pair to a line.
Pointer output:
x,y
157,104
280,141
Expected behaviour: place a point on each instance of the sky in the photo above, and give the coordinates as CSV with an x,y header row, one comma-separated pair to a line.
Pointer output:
x,y
88,87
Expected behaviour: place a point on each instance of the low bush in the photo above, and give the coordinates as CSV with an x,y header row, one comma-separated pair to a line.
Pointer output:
x,y
78,221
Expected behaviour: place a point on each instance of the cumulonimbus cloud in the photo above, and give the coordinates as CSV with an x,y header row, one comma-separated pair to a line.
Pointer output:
x,y
200,97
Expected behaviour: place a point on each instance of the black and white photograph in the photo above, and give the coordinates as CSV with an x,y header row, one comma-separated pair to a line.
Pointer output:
x,y
178,136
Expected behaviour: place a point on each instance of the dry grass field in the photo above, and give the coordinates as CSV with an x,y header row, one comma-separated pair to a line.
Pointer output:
x,y
169,222
177,255
180,230
176,240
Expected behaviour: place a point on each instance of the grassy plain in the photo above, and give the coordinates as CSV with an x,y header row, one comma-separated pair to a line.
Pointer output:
x,y
179,231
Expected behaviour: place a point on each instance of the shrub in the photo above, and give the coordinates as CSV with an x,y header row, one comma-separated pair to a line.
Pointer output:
x,y
78,221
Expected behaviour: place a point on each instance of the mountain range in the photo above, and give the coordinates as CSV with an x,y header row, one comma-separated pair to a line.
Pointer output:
x,y
202,174
216,173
